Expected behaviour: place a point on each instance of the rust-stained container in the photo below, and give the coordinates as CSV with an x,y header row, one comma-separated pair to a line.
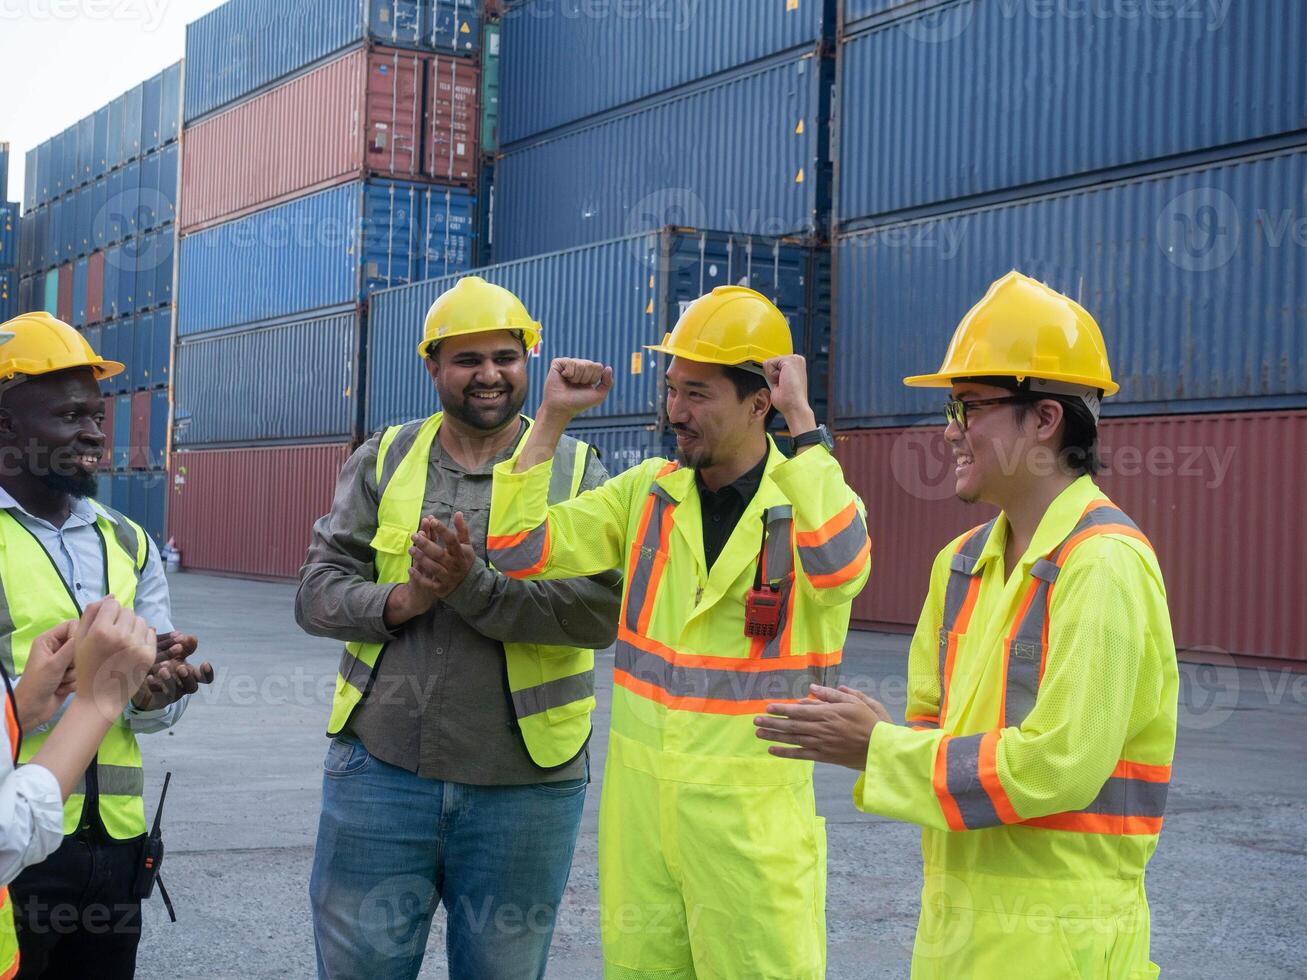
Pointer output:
x,y
453,118
95,288
138,456
64,303
362,114
1215,494
250,511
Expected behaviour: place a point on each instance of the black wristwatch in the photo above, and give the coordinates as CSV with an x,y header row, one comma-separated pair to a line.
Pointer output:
x,y
819,436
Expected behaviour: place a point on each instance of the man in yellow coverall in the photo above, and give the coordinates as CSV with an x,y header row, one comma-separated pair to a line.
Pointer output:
x,y
1042,679
740,569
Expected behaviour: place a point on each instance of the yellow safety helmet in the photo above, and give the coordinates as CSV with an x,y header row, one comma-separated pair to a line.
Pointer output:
x,y
36,343
1022,329
473,305
732,325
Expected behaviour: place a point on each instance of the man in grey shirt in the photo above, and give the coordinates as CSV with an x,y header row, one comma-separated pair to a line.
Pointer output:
x,y
458,770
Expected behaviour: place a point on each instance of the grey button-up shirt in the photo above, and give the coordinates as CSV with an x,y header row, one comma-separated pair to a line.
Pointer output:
x,y
439,702
77,553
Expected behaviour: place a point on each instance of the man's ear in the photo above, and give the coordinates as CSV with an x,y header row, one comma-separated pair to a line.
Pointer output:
x,y
761,403
433,367
1049,414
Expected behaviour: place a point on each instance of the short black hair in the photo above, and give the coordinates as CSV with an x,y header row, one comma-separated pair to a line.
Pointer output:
x,y
433,347
1079,447
746,383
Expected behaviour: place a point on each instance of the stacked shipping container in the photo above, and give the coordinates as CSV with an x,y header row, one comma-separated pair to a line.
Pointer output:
x,y
325,157
8,242
96,247
1176,236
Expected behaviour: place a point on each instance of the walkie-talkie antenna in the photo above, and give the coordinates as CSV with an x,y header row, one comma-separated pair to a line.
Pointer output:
x,y
158,814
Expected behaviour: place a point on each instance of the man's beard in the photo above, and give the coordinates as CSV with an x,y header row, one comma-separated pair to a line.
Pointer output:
x,y
75,485
479,419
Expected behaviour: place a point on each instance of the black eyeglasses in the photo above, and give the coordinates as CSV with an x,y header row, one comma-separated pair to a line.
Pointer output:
x,y
955,410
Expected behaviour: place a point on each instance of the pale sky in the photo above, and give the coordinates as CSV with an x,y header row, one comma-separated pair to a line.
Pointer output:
x,y
62,59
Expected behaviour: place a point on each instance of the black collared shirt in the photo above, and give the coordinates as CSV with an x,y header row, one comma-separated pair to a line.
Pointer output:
x,y
722,509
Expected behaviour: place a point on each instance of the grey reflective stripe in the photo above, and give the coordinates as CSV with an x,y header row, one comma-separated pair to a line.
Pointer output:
x,y
6,632
922,723
779,560
836,553
128,540
119,780
1045,570
1130,798
720,685
962,567
80,788
527,553
1025,658
641,573
962,773
553,694
354,671
399,446
562,472
1100,516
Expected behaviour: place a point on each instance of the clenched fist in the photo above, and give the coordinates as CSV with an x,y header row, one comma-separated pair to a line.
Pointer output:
x,y
574,386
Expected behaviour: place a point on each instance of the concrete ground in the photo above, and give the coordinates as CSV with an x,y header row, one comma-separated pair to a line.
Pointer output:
x,y
1227,885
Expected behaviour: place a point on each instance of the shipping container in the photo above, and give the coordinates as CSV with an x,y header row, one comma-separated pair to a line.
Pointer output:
x,y
250,511
357,115
101,157
629,52
9,292
4,169
152,113
160,414
933,103
1179,477
86,150
490,85
606,302
453,117
9,224
26,295
745,153
245,45
64,299
299,382
1167,264
138,456
79,293
107,425
329,249
50,292
122,431
622,446
95,287
171,121
31,179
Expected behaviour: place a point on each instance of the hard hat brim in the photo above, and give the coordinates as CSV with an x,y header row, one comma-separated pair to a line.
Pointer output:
x,y
530,338
704,358
946,379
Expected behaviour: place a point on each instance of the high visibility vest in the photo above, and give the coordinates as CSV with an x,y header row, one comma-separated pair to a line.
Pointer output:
x,y
1133,799
35,598
552,687
8,933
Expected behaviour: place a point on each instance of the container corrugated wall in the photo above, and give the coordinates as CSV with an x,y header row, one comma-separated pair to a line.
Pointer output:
x,y
327,249
1197,279
623,446
297,382
632,51
976,97
267,500
603,302
453,120
245,45
744,154
359,113
1208,490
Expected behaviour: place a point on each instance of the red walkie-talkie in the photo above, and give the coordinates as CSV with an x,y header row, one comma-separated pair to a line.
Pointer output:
x,y
762,607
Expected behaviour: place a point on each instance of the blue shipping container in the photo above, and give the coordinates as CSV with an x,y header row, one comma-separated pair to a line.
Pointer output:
x,y
605,302
245,45
101,155
117,128
4,170
1195,277
26,294
9,292
632,51
86,150
299,381
122,431
152,113
745,154
934,108
159,412
31,177
171,120
79,293
325,250
9,224
621,447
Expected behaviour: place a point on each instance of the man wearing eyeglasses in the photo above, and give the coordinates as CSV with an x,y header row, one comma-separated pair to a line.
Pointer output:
x,y
1041,716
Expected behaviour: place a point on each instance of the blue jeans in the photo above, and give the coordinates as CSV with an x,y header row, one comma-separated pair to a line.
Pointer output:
x,y
391,845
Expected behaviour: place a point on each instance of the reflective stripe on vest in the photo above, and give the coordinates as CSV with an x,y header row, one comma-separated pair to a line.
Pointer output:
x,y
551,688
709,684
8,932
1133,799
43,601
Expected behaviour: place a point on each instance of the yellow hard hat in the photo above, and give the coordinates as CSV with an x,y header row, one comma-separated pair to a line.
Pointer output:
x,y
36,343
473,305
1023,329
732,325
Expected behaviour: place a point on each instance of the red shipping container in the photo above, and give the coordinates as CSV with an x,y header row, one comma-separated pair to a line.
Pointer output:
x,y
64,306
358,115
453,120
106,461
138,457
1216,494
250,511
95,288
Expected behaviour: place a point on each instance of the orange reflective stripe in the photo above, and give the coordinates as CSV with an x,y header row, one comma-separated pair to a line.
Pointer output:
x,y
845,574
705,706
988,770
656,574
1097,529
964,618
739,664
1142,770
1097,823
952,815
814,539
